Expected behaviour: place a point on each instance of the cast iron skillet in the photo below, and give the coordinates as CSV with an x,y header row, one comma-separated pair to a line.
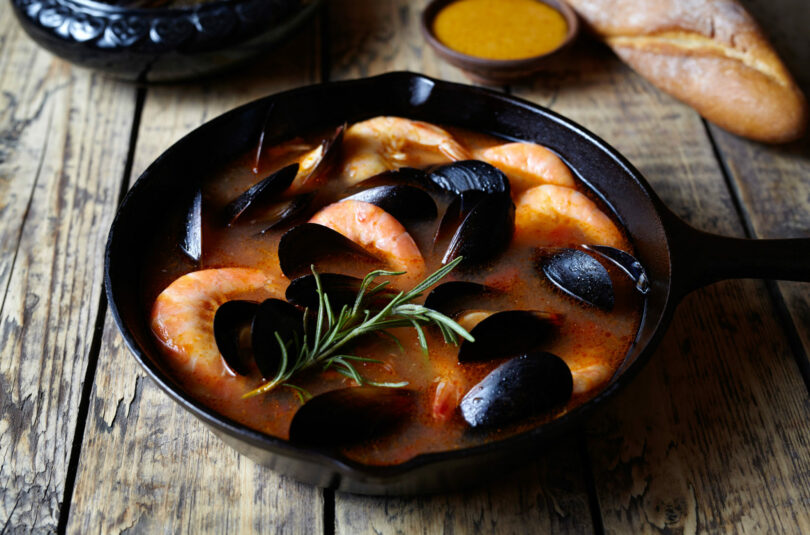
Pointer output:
x,y
678,258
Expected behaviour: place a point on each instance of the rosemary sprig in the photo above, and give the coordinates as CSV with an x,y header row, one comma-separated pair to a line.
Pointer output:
x,y
333,331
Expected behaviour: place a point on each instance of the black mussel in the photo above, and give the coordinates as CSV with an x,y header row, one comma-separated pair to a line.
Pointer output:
x,y
312,244
404,176
522,387
624,261
406,203
341,289
232,332
191,244
578,274
350,415
260,193
287,211
453,297
509,333
274,316
330,150
485,232
467,175
454,214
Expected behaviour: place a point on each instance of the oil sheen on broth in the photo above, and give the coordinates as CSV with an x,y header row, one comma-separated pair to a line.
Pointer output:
x,y
592,342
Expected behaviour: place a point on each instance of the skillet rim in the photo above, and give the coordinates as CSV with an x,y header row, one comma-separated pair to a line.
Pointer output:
x,y
391,475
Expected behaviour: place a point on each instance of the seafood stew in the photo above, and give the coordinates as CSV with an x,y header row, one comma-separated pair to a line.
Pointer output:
x,y
543,323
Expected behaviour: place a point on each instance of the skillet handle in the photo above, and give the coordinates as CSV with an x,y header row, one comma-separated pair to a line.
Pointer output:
x,y
700,258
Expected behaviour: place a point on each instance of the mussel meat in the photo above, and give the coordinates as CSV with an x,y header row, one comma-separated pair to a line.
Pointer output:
x,y
260,193
329,251
468,175
328,157
350,415
577,274
191,244
522,387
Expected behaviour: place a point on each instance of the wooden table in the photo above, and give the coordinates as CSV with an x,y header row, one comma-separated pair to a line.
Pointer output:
x,y
712,436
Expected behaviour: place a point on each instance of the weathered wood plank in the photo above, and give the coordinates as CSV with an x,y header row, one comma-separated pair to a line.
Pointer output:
x,y
63,144
711,436
773,181
546,496
372,37
146,465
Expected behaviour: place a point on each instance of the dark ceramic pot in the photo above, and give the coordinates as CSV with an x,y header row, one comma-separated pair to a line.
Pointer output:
x,y
160,44
677,257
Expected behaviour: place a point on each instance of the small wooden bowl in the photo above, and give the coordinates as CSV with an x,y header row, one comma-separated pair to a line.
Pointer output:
x,y
496,71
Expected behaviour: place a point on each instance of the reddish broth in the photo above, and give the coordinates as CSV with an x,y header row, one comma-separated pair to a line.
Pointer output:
x,y
587,335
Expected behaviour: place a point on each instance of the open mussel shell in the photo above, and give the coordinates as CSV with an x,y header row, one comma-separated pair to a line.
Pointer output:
x,y
406,203
350,415
191,243
329,156
341,289
260,193
287,211
451,298
578,274
468,175
274,316
232,331
485,232
403,176
329,251
522,387
509,333
624,261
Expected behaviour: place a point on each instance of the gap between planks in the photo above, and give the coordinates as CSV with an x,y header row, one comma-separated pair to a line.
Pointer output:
x,y
95,344
777,298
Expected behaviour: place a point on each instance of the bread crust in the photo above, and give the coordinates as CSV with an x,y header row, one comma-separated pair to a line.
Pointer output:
x,y
710,54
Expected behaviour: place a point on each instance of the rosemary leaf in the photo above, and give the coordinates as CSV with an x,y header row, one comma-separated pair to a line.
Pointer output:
x,y
333,331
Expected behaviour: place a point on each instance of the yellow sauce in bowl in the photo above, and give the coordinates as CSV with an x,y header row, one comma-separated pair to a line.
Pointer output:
x,y
500,29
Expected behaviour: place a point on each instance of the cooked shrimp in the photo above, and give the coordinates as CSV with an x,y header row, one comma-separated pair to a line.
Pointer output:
x,y
377,231
183,317
528,165
551,215
384,143
450,386
590,377
446,397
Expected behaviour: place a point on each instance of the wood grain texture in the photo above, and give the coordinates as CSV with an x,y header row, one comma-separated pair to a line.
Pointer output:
x,y
546,496
711,436
63,144
774,182
371,37
147,466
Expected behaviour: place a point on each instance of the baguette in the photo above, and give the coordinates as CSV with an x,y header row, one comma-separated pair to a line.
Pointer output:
x,y
711,55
